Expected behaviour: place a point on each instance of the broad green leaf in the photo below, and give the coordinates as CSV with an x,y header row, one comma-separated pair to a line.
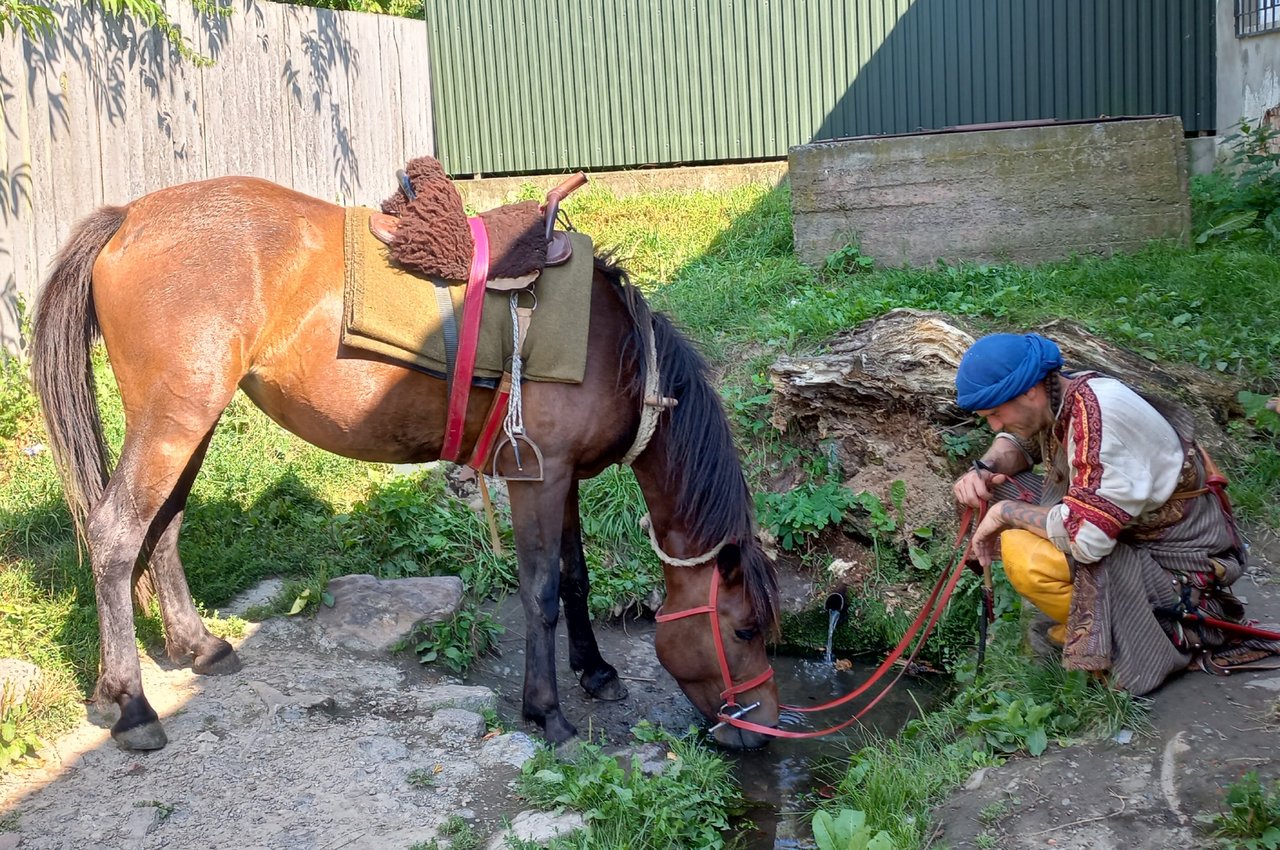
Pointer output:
x,y
824,831
920,559
1230,224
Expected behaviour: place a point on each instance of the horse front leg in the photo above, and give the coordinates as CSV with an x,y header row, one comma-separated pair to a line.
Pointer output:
x,y
598,678
537,510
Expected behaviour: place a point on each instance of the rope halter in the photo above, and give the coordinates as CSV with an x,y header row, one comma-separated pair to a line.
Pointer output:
x,y
654,403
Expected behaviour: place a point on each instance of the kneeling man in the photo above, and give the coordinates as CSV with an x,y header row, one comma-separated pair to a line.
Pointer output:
x,y
1127,531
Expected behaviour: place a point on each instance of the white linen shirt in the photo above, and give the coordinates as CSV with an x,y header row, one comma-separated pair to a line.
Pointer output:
x,y
1125,460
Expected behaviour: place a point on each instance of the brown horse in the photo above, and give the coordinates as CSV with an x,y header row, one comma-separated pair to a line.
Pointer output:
x,y
205,287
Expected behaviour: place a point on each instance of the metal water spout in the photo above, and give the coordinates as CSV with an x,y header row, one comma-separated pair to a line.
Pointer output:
x,y
836,602
838,599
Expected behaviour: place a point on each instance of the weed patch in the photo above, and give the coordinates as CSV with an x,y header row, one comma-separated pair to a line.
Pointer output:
x,y
687,804
457,642
1251,820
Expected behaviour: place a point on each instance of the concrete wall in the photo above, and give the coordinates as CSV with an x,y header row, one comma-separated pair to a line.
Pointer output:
x,y
1026,194
1248,72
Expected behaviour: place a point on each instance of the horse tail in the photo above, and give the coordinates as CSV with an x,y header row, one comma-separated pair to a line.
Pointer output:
x,y
65,328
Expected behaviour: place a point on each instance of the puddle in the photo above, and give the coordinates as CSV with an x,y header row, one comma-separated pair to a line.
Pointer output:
x,y
780,781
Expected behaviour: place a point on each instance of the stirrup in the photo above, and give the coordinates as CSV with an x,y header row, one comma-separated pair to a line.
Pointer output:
x,y
526,468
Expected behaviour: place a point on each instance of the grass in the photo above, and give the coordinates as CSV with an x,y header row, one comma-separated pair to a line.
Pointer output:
x,y
1016,706
1251,818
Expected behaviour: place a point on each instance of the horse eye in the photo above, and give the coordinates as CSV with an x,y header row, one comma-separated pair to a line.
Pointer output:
x,y
745,634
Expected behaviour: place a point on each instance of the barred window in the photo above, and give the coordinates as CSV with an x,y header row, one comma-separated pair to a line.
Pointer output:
x,y
1257,16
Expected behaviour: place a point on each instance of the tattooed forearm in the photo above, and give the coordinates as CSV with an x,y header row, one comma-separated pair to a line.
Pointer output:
x,y
1025,515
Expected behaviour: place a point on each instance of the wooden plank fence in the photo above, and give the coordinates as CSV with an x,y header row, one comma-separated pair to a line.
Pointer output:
x,y
330,103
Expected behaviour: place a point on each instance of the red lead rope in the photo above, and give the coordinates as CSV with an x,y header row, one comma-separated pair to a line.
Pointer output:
x,y
930,612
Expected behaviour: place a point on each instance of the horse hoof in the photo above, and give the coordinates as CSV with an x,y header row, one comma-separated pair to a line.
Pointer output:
x,y
148,736
604,685
221,661
558,730
138,727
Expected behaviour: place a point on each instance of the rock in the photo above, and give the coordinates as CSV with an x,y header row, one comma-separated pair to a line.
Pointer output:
x,y
142,821
470,697
17,679
538,828
653,759
10,840
284,707
513,748
976,779
459,720
381,749
369,613
262,593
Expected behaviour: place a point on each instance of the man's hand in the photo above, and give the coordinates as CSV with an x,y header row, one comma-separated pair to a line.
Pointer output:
x,y
1274,404
974,488
986,537
1003,516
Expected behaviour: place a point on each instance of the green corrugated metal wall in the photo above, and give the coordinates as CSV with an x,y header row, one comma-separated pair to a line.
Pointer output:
x,y
523,86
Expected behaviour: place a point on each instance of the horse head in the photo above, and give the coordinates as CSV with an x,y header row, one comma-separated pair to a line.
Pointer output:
x,y
711,639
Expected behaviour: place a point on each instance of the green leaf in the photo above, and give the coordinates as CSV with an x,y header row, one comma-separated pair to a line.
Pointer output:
x,y
1229,224
920,559
898,492
824,831
882,841
1037,741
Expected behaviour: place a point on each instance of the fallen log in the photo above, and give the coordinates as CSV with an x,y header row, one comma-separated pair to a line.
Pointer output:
x,y
881,398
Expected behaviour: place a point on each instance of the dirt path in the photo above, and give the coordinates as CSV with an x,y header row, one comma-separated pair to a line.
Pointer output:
x,y
306,748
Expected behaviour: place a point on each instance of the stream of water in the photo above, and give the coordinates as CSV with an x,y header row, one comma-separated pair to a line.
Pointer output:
x,y
785,779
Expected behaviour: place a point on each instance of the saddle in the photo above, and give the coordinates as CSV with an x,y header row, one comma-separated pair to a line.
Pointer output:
x,y
425,228
506,249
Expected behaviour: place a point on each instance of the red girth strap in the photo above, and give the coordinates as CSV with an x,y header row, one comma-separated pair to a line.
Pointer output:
x,y
731,691
469,337
492,425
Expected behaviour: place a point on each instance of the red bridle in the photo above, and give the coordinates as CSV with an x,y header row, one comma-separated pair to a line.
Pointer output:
x,y
731,691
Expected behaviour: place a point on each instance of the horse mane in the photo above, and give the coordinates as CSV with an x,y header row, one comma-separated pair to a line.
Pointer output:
x,y
703,467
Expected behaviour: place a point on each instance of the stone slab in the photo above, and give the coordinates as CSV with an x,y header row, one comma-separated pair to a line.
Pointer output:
x,y
1022,194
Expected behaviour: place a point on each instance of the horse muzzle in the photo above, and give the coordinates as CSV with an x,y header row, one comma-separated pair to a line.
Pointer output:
x,y
735,738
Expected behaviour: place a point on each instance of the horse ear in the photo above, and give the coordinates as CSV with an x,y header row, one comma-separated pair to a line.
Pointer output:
x,y
729,562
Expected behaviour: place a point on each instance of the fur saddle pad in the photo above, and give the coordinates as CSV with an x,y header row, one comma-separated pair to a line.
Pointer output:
x,y
391,312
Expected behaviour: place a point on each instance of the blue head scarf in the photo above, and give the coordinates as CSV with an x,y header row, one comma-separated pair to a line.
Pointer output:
x,y
1001,367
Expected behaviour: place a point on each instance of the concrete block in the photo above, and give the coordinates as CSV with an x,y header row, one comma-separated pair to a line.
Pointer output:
x,y
1022,194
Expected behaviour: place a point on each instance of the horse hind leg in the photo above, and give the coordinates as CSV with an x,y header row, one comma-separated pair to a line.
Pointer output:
x,y
184,632
145,492
598,678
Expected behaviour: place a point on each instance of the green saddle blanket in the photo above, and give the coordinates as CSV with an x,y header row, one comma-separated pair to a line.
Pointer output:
x,y
393,313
